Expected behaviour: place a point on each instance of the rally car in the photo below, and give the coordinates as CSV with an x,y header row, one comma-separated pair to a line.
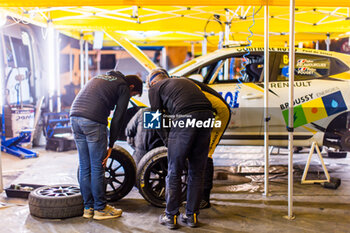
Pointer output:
x,y
321,104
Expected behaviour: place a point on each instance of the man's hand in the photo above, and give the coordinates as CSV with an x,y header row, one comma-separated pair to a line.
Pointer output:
x,y
109,151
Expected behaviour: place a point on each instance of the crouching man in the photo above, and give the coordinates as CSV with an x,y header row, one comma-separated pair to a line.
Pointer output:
x,y
88,116
140,139
183,100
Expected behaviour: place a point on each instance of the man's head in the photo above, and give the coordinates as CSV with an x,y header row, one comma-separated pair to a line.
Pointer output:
x,y
135,84
156,75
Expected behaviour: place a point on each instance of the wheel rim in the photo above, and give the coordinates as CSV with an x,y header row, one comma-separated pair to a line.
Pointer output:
x,y
345,139
155,179
115,176
59,191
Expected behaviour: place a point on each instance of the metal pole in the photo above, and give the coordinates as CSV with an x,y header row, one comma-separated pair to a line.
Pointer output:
x,y
58,75
328,41
81,61
51,63
266,101
204,51
86,62
71,64
226,40
164,58
192,49
204,45
317,45
98,61
291,105
2,102
221,40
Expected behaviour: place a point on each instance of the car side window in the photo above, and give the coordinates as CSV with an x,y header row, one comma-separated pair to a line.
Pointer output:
x,y
233,66
306,67
9,52
21,53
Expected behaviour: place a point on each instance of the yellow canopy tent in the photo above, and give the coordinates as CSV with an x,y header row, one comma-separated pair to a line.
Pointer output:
x,y
60,3
181,25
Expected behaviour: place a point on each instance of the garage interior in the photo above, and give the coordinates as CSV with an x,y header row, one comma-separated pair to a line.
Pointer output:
x,y
242,200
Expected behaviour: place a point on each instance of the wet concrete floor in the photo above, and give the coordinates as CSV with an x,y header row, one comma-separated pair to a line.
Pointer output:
x,y
237,201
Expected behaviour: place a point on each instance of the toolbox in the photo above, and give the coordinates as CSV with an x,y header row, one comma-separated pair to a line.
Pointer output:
x,y
21,190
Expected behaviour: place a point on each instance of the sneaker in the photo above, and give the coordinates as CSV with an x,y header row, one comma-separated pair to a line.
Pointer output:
x,y
204,204
189,220
88,212
107,213
169,221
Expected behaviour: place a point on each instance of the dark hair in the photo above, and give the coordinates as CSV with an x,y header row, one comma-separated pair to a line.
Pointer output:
x,y
136,81
115,73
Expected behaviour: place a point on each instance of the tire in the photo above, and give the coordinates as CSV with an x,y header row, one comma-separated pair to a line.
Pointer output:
x,y
151,172
119,161
119,164
56,201
337,134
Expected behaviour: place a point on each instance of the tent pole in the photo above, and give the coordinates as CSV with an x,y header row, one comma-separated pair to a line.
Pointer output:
x,y
291,106
192,49
2,101
58,74
164,58
204,45
86,62
266,102
328,41
81,61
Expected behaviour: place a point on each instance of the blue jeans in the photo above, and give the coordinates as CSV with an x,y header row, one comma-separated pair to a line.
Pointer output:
x,y
91,140
191,144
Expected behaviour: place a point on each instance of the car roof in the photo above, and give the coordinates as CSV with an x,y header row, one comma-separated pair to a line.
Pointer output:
x,y
184,68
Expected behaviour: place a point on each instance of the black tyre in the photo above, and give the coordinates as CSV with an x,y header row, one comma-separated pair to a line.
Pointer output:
x,y
56,201
151,172
337,134
120,174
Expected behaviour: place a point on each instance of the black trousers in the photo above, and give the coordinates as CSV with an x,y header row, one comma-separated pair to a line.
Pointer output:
x,y
190,143
208,180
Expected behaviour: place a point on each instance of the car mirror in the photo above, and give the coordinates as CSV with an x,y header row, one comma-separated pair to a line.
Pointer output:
x,y
197,77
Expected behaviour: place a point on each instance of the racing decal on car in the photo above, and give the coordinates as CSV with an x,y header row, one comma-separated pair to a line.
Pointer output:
x,y
231,98
298,101
286,84
317,109
305,63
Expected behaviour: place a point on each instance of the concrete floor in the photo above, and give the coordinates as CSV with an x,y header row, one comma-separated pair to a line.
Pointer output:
x,y
237,202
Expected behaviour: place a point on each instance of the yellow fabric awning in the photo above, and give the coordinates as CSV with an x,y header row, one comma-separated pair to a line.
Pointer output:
x,y
60,3
182,25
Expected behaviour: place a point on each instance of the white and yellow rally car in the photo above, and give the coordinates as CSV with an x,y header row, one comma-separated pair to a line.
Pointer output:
x,y
322,94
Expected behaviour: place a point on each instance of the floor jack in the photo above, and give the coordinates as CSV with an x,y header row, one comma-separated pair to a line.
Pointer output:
x,y
12,146
329,182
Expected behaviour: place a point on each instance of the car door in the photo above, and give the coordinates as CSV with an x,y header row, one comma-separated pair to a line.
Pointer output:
x,y
243,90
